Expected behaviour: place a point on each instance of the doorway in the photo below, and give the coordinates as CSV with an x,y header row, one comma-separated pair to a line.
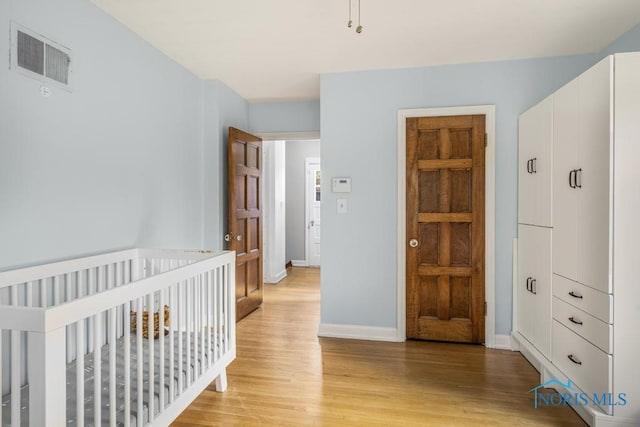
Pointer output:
x,y
490,340
312,210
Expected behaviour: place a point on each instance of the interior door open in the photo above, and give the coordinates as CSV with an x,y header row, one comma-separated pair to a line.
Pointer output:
x,y
445,228
313,211
245,218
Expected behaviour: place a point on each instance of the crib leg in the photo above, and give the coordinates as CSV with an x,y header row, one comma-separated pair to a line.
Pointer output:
x,y
47,376
221,381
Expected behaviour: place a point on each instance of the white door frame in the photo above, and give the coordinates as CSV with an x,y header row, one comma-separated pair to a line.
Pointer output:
x,y
307,199
490,158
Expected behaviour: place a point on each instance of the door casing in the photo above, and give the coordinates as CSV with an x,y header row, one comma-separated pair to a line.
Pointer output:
x,y
489,112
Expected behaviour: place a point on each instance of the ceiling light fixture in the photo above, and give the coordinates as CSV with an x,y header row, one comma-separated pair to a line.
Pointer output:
x,y
359,28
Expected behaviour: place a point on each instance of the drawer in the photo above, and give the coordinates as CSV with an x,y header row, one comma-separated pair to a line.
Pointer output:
x,y
588,327
591,368
596,303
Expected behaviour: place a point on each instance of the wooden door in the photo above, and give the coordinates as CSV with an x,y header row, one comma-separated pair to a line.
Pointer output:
x,y
245,218
445,228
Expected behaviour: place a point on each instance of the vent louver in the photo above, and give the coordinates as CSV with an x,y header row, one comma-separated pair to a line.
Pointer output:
x,y
39,57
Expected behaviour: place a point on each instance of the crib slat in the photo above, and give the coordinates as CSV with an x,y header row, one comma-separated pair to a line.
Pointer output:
x,y
43,292
161,351
97,364
180,304
214,306
15,376
29,294
113,313
127,367
171,346
140,362
194,318
188,325
209,302
225,308
201,319
1,364
80,346
151,357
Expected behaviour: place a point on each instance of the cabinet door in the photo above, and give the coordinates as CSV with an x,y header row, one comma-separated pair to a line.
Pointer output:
x,y
594,160
565,198
526,255
534,286
535,164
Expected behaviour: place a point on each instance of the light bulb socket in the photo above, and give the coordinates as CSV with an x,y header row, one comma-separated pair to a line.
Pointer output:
x,y
359,29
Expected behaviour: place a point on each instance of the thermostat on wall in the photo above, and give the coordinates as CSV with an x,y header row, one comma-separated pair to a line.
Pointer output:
x,y
341,185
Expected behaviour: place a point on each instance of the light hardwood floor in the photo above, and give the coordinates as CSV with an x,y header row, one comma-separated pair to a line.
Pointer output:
x,y
285,375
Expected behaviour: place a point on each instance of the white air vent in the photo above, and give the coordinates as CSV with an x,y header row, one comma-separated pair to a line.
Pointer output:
x,y
36,56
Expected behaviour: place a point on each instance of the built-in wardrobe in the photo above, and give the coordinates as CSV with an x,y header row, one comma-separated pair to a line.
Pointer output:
x,y
577,262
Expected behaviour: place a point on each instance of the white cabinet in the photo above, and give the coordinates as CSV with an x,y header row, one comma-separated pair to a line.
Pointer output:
x,y
535,133
593,308
534,286
581,157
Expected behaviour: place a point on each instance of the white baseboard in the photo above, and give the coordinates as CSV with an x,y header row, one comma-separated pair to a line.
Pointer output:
x,y
371,333
502,342
276,278
300,263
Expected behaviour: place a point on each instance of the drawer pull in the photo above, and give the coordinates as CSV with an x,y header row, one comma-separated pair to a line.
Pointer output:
x,y
573,294
574,360
573,320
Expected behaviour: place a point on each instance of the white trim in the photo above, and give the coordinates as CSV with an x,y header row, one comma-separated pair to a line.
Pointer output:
x,y
490,153
272,280
514,281
502,342
308,162
299,263
288,136
357,332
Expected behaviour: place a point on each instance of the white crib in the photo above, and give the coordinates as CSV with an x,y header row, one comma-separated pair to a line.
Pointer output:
x,y
73,353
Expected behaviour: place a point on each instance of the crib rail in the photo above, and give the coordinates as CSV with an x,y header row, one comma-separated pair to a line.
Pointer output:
x,y
111,309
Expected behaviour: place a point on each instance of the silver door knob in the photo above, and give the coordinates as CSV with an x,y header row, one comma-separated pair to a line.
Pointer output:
x,y
227,237
238,237
413,243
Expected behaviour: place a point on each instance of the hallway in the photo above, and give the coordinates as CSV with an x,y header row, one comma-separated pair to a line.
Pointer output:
x,y
286,375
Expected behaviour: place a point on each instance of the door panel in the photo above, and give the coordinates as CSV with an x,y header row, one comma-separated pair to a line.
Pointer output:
x,y
314,195
593,196
245,218
565,199
535,164
445,219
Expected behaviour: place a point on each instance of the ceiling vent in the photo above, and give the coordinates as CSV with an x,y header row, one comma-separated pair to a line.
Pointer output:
x,y
39,57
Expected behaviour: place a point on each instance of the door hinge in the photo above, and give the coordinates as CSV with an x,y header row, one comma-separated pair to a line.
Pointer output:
x,y
485,140
485,308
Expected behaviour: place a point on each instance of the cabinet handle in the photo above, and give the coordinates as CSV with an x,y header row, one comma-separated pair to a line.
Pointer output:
x,y
573,294
574,360
534,162
578,185
533,286
573,320
529,166
529,284
572,178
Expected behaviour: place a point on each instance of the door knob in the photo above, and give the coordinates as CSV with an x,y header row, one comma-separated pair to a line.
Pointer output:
x,y
413,243
238,237
227,237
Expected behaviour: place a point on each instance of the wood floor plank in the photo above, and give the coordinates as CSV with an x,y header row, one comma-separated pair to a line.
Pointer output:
x,y
285,375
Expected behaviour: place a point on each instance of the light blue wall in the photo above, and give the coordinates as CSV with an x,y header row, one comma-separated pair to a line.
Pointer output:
x,y
295,116
112,164
222,108
359,133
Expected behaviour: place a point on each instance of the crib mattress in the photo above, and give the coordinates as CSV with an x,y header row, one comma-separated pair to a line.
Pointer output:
x,y
89,369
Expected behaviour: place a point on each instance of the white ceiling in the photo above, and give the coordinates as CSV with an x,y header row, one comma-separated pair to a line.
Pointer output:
x,y
277,49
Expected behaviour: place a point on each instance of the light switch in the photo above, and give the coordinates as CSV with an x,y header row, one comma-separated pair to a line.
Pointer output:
x,y
342,206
